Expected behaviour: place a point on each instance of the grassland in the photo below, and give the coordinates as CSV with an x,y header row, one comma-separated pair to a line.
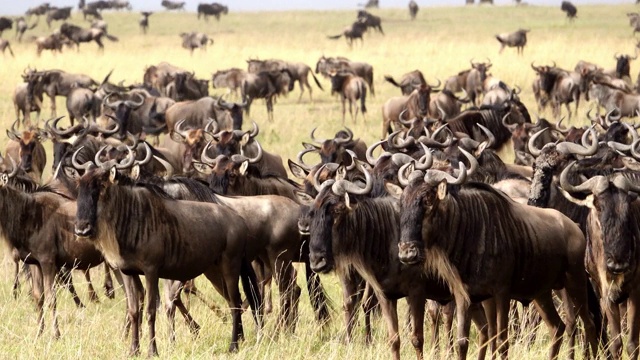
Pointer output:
x,y
440,43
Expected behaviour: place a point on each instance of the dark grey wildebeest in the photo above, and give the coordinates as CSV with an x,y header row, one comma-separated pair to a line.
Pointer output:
x,y
4,45
517,39
194,40
352,88
55,14
54,83
213,9
22,27
144,21
370,20
173,5
265,85
325,65
229,78
408,82
77,35
21,105
5,24
299,72
413,9
569,9
352,32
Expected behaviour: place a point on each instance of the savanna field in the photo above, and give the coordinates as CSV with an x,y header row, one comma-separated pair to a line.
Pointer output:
x,y
440,43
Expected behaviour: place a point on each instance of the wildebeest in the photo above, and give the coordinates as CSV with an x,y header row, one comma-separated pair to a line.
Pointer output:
x,y
120,110
416,105
144,21
413,9
38,10
327,64
623,68
22,27
5,24
229,78
58,14
213,9
569,9
611,98
352,88
265,85
81,102
556,86
352,32
77,35
26,146
185,86
194,40
370,4
157,77
53,42
445,220
173,5
474,81
370,20
4,45
105,211
54,83
298,71
517,39
408,82
21,105
634,21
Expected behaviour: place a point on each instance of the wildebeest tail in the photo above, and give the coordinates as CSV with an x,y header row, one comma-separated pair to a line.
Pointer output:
x,y
500,39
251,291
391,80
316,80
10,51
594,309
111,37
334,37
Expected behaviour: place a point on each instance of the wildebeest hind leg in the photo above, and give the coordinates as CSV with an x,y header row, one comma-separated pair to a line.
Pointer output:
x,y
151,309
633,321
544,305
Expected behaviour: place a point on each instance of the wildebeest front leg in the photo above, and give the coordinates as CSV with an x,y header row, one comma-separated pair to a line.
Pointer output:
x,y
93,297
633,319
48,276
67,281
231,276
134,293
502,304
464,323
350,298
416,305
344,109
390,314
108,281
151,309
37,292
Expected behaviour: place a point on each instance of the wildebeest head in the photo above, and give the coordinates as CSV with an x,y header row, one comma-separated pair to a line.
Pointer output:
x,y
194,141
30,141
482,68
232,142
622,65
332,150
122,111
227,174
548,76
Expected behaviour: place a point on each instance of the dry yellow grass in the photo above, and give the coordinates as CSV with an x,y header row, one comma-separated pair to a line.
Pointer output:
x,y
440,43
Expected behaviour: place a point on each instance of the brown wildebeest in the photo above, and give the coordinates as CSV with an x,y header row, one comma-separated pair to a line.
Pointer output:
x,y
77,35
21,105
105,213
326,65
229,78
413,9
517,39
553,245
53,42
27,147
370,20
334,150
194,40
352,88
475,80
352,32
343,218
22,27
45,241
416,105
144,21
408,82
557,86
4,45
299,72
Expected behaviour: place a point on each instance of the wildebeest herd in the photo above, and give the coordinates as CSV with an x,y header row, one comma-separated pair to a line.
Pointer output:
x,y
437,217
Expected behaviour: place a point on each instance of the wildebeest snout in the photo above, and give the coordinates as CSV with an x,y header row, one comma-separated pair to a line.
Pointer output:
x,y
83,228
409,253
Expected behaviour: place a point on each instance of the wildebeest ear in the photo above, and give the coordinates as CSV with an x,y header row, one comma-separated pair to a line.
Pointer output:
x,y
71,172
442,190
483,145
113,173
202,167
4,179
135,172
393,190
297,170
245,139
242,170
303,197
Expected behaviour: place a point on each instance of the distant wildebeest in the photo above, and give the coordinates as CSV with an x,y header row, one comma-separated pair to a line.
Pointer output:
x,y
229,78
144,21
475,79
21,105
408,82
54,83
370,20
58,14
5,24
53,42
517,39
612,98
413,106
265,85
569,9
351,87
185,86
623,68
194,40
352,32
327,64
22,27
299,72
634,21
213,9
370,4
100,25
26,146
4,45
38,10
173,5
413,9
92,8
556,86
120,4
77,35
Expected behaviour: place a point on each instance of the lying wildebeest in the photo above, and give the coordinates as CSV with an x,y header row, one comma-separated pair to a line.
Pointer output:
x,y
173,5
299,72
408,82
213,9
352,32
517,39
325,65
445,220
569,9
265,85
38,10
106,207
229,78
53,42
21,105
4,45
194,40
370,20
144,21
352,88
77,35
413,9
58,14
22,27
5,24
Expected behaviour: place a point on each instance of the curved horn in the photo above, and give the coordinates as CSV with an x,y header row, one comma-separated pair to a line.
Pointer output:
x,y
203,156
148,155
405,122
258,156
531,144
592,185
135,105
353,159
633,151
408,141
342,141
211,123
473,162
369,154
14,168
559,127
425,160
624,147
571,148
109,104
435,86
56,130
447,142
178,128
610,118
320,187
434,177
314,138
167,166
511,127
593,120
74,161
301,155
342,186
491,139
255,130
128,161
13,130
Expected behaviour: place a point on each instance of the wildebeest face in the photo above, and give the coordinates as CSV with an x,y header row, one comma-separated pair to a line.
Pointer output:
x,y
324,214
90,186
424,98
225,174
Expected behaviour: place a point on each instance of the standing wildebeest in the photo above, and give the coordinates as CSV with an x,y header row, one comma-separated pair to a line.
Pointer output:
x,y
173,5
54,83
27,147
38,10
22,27
214,9
370,20
327,64
265,85
408,82
352,88
570,9
370,4
352,32
416,105
185,86
194,40
174,242
556,86
144,21
5,24
21,105
455,229
517,39
4,45
612,259
634,21
53,42
77,35
623,68
474,82
58,14
413,9
229,78
299,72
